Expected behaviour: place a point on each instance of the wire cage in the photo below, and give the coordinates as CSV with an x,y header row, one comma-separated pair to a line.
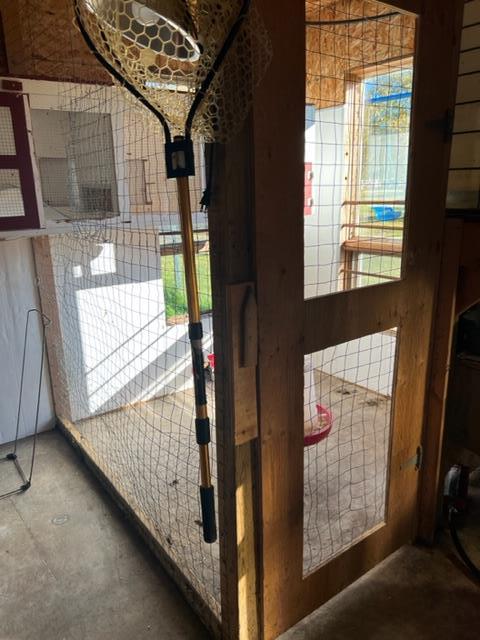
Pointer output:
x,y
111,273
112,280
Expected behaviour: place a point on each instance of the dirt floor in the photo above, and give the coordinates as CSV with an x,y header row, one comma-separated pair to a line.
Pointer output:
x,y
148,452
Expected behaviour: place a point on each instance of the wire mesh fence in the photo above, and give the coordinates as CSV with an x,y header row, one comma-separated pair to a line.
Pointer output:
x,y
359,89
112,270
348,403
359,93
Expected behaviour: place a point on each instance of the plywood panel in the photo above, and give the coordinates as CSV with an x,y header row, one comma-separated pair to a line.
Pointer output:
x,y
42,42
347,47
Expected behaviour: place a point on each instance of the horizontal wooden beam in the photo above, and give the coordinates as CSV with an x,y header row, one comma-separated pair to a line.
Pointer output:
x,y
406,6
335,319
377,246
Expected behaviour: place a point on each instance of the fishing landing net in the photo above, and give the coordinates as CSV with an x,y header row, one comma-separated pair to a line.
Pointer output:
x,y
194,66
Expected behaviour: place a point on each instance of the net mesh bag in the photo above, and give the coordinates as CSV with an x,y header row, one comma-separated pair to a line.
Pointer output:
x,y
166,49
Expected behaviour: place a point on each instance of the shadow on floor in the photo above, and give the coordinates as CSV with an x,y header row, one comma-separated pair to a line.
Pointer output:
x,y
71,569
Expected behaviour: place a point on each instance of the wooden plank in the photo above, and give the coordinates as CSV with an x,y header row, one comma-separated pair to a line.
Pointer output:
x,y
469,283
466,151
385,246
242,341
461,422
470,37
469,61
467,117
434,94
279,201
230,216
438,380
468,89
472,13
48,300
248,610
332,320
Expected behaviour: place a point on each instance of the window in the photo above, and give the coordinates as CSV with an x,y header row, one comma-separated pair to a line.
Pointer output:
x,y
18,193
76,161
173,273
377,148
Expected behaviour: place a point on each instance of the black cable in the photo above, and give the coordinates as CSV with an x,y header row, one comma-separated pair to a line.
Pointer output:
x,y
452,512
124,83
200,95
207,194
325,23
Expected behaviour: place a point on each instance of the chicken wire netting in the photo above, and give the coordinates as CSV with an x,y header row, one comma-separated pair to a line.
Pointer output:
x,y
118,285
111,274
359,92
359,89
348,407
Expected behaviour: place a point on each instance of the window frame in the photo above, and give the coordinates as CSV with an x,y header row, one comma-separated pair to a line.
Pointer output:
x,y
352,245
21,161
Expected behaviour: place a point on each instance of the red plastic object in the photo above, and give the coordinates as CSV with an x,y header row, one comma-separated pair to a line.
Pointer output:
x,y
211,360
325,423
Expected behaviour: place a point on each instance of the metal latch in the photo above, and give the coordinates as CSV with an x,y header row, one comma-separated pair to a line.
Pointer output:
x,y
415,461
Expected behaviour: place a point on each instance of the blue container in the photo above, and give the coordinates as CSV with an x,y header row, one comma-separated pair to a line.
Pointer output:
x,y
384,213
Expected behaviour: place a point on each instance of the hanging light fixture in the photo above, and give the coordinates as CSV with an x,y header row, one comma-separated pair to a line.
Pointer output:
x,y
164,27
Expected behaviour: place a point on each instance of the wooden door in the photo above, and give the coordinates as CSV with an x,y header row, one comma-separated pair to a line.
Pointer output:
x,y
383,320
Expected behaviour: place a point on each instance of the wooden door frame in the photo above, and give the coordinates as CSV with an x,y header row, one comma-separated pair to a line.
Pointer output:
x,y
285,334
459,290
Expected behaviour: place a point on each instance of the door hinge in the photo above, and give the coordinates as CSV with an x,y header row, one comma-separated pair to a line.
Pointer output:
x,y
415,461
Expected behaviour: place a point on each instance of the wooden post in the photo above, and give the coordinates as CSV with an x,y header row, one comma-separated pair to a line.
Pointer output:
x,y
231,253
279,130
438,383
48,301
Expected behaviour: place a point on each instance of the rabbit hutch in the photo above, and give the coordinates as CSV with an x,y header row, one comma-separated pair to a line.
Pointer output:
x,y
317,253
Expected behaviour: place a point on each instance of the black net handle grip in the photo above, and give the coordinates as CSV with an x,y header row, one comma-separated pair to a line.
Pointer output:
x,y
207,498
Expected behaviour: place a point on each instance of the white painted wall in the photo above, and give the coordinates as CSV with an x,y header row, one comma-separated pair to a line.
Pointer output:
x,y
324,148
18,294
118,347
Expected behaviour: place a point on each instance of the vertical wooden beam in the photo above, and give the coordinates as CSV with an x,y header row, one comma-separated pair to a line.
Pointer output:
x,y
445,318
48,300
435,81
231,250
279,131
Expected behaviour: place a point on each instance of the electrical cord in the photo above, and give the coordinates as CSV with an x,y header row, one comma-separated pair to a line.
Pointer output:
x,y
474,570
330,23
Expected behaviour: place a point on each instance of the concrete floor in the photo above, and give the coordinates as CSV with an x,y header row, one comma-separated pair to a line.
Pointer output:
x,y
71,569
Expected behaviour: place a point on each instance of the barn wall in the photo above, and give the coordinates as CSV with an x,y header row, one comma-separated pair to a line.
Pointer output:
x,y
42,42
464,185
18,294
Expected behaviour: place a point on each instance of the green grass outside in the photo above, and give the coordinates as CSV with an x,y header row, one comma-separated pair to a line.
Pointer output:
x,y
173,274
